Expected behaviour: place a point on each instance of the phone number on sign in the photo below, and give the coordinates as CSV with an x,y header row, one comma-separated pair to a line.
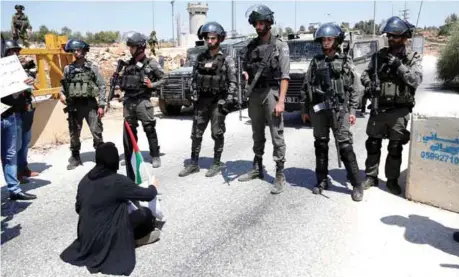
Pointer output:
x,y
439,157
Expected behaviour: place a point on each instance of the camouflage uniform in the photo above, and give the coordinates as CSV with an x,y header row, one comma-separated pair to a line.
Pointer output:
x,y
263,100
344,83
137,103
214,78
398,88
81,84
19,25
152,41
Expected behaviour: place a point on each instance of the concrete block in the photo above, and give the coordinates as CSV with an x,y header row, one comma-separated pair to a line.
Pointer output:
x,y
50,125
433,168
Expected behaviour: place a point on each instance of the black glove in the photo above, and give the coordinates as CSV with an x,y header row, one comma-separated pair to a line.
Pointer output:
x,y
223,107
394,62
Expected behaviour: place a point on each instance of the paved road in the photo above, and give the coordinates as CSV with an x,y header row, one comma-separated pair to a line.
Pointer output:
x,y
220,227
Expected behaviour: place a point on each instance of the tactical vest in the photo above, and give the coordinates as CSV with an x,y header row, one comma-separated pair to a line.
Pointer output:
x,y
211,74
20,20
81,81
255,53
394,91
133,76
331,75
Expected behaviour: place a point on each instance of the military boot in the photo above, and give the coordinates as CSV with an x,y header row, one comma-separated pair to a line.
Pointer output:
x,y
321,186
156,162
193,167
216,168
394,188
74,160
352,168
279,183
256,172
370,181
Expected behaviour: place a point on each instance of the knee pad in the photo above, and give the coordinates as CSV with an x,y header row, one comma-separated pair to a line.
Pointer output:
x,y
373,145
149,128
321,144
345,147
395,148
218,137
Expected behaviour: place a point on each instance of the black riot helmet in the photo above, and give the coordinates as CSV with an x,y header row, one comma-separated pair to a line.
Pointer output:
x,y
397,26
73,44
329,30
212,27
259,13
136,39
11,44
19,7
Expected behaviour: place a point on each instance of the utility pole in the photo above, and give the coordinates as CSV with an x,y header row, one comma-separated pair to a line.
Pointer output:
x,y
374,19
173,34
233,19
294,31
405,12
153,4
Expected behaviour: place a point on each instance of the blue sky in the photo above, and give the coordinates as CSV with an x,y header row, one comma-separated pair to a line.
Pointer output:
x,y
125,16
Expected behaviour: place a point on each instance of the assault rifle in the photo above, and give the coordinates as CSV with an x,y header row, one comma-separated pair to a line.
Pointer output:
x,y
375,88
114,81
331,102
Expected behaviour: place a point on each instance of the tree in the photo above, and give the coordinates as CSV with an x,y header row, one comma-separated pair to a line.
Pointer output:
x,y
65,31
288,30
302,28
450,22
345,26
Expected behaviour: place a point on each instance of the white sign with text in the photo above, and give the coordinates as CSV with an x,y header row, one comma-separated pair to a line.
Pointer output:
x,y
12,76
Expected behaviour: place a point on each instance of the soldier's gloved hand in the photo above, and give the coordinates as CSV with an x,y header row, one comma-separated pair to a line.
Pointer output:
x,y
223,107
194,96
394,62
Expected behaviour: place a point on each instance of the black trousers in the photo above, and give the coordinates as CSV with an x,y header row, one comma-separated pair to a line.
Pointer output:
x,y
142,221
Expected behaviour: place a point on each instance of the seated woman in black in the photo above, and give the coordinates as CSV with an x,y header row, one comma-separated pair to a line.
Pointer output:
x,y
107,233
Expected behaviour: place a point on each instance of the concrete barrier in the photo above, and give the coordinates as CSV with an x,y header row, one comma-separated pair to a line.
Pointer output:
x,y
50,125
433,168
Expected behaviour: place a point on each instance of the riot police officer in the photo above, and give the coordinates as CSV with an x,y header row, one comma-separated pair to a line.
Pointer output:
x,y
80,84
266,66
332,97
20,25
214,82
399,73
140,78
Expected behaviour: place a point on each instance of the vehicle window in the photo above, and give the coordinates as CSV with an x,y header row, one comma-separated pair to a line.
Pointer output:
x,y
364,49
303,50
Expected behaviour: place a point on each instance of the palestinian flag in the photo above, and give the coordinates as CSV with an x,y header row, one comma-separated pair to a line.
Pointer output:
x,y
135,167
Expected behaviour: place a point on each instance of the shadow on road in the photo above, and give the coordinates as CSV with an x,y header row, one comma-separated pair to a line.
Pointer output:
x,y
423,230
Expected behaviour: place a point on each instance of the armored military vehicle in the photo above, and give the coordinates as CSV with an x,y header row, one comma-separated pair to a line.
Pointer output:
x,y
176,91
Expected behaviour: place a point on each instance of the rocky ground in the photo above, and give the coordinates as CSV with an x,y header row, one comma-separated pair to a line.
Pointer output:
x,y
220,227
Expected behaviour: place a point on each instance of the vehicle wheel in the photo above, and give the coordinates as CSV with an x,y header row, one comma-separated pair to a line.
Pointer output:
x,y
169,109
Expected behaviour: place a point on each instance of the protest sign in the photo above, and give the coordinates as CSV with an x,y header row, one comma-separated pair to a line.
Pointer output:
x,y
12,76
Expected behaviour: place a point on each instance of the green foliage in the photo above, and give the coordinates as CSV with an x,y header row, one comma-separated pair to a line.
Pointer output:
x,y
366,27
447,68
91,38
450,23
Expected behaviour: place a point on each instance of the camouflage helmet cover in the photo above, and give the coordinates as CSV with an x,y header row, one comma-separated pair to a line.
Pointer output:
x,y
19,7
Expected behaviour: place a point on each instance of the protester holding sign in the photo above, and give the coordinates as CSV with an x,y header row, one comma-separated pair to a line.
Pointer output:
x,y
107,232
9,126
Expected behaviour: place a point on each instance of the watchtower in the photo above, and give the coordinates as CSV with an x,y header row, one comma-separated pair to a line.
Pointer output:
x,y
198,15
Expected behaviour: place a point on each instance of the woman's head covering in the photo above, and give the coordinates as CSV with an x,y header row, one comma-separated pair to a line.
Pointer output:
x,y
107,156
